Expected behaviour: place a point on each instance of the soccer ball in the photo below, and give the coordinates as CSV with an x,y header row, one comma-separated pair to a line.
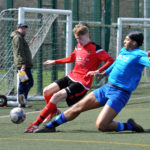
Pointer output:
x,y
17,115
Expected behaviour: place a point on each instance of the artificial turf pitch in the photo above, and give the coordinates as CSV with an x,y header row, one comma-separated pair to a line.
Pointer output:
x,y
81,133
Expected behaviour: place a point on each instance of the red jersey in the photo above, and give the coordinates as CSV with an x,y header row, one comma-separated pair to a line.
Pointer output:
x,y
87,58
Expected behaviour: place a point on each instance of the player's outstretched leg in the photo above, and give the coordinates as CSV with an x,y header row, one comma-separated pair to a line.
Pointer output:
x,y
50,127
87,103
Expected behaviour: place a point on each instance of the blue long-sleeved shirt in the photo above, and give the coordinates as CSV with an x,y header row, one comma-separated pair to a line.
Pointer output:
x,y
127,69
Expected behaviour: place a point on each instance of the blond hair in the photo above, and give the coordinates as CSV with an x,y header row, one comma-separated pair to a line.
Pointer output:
x,y
80,29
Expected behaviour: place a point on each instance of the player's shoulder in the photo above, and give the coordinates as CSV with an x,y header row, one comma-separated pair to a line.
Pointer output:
x,y
136,52
98,48
143,51
96,45
140,52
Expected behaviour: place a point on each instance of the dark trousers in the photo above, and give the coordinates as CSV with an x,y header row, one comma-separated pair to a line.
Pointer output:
x,y
24,87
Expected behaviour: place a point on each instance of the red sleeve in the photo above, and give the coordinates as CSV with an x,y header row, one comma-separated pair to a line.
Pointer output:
x,y
104,56
69,59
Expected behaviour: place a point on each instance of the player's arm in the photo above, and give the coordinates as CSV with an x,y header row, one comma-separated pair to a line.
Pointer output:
x,y
69,59
108,70
49,62
105,57
96,73
144,61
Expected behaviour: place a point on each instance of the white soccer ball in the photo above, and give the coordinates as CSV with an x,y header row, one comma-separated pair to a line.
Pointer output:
x,y
17,115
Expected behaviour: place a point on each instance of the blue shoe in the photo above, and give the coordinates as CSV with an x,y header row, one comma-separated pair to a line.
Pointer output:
x,y
136,127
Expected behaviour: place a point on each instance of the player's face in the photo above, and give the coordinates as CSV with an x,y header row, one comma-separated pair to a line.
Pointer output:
x,y
129,44
82,39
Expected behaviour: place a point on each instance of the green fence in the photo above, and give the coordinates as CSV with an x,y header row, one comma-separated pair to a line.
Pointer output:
x,y
101,18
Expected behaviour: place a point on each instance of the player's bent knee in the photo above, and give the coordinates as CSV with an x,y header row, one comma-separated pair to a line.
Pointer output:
x,y
101,126
45,91
50,89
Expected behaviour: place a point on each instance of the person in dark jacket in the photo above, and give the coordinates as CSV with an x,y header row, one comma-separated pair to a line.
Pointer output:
x,y
23,64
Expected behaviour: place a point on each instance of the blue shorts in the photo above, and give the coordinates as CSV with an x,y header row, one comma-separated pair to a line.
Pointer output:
x,y
112,96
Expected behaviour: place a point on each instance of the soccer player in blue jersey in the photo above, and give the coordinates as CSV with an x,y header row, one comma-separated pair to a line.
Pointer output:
x,y
124,76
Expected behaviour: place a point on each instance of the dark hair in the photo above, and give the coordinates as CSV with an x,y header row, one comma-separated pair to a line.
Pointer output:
x,y
136,36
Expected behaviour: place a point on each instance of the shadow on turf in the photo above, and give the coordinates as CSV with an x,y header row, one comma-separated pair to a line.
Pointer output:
x,y
130,132
92,131
78,131
147,131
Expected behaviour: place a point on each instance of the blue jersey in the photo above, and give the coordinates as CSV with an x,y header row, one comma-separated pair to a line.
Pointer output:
x,y
127,69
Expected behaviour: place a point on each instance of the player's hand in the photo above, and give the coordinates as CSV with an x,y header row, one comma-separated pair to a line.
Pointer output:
x,y
148,54
49,62
96,73
93,73
23,67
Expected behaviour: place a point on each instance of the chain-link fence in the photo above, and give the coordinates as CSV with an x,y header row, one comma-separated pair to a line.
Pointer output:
x,y
99,15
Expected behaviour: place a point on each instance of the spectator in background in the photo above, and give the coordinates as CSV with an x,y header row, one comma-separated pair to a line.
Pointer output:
x,y
23,64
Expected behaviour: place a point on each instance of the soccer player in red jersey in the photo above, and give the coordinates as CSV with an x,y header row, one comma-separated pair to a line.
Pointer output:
x,y
73,87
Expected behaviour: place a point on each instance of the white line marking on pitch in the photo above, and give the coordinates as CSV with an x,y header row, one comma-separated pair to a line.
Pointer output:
x,y
26,113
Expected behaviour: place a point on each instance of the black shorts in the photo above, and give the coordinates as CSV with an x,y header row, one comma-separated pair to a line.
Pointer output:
x,y
75,90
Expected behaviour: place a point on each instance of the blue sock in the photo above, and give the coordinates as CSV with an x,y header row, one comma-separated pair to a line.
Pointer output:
x,y
60,119
50,125
120,126
124,126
